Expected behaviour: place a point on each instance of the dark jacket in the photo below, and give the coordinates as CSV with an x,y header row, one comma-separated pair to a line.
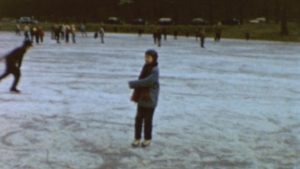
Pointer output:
x,y
15,58
151,82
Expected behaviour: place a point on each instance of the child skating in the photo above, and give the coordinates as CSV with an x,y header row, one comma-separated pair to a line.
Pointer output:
x,y
146,92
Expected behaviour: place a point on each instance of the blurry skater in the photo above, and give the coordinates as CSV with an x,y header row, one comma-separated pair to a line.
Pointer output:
x,y
83,30
18,30
67,33
73,32
157,37
40,34
13,64
218,32
26,32
101,34
202,37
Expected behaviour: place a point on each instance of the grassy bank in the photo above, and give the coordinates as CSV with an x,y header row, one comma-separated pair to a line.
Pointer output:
x,y
257,31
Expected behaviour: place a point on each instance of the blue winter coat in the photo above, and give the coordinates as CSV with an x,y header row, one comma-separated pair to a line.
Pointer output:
x,y
152,82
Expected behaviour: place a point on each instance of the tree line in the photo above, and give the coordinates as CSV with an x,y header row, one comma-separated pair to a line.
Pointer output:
x,y
180,10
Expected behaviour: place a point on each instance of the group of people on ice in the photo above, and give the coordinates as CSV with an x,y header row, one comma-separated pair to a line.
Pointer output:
x,y
200,34
67,33
63,32
31,32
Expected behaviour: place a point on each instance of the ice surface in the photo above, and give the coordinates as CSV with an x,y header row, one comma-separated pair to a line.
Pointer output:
x,y
233,105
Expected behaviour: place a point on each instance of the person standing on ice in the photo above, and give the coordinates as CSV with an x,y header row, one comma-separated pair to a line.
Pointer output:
x,y
62,31
146,92
57,33
26,32
155,37
14,62
218,32
67,33
159,36
33,33
101,34
18,30
73,32
41,34
165,33
202,37
83,30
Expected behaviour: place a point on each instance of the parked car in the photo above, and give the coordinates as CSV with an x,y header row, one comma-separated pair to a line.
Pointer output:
x,y
258,20
27,20
166,21
113,21
232,21
138,21
198,21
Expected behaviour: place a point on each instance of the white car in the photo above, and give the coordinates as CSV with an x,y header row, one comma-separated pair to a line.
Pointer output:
x,y
165,21
258,20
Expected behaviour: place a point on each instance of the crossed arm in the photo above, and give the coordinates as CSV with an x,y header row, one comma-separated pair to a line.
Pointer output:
x,y
147,82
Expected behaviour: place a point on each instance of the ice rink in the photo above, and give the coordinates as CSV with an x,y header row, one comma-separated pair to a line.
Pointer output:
x,y
233,105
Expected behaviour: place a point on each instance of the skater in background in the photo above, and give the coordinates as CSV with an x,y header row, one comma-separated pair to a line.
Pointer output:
x,y
155,37
159,36
218,32
146,92
33,33
202,37
26,32
83,30
73,32
13,64
40,34
18,30
165,33
57,33
67,31
102,34
62,29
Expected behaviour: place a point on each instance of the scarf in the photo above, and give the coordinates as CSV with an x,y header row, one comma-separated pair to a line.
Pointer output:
x,y
143,93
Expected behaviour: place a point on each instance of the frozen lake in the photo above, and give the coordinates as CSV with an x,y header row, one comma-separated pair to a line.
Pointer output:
x,y
233,105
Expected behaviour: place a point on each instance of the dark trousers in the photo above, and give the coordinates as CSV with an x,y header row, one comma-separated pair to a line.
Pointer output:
x,y
57,38
202,42
67,37
14,71
144,118
37,39
102,38
74,37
